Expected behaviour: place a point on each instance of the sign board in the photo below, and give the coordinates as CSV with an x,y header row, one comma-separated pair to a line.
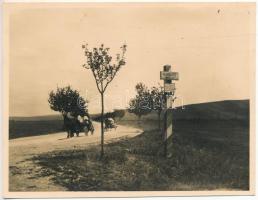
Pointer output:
x,y
169,75
169,87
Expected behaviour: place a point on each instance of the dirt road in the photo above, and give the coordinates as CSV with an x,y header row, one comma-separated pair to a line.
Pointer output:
x,y
23,172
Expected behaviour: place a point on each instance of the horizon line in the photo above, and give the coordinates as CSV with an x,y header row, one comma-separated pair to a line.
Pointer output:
x,y
127,108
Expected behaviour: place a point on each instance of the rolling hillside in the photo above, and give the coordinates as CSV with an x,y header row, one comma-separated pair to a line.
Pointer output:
x,y
37,118
232,109
221,110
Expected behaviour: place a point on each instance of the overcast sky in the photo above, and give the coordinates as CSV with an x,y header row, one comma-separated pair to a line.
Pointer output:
x,y
210,45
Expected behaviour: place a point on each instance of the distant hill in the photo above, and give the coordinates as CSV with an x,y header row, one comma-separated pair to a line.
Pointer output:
x,y
222,110
229,109
41,118
37,118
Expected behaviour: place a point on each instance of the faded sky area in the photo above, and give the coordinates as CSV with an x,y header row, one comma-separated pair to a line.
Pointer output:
x,y
212,46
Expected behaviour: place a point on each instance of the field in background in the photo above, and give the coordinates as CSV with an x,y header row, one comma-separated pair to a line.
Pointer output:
x,y
19,129
222,110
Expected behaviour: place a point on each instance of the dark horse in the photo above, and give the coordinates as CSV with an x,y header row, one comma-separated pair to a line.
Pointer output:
x,y
73,125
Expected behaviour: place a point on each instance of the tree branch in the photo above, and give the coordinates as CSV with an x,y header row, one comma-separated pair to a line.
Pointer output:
x,y
110,80
96,80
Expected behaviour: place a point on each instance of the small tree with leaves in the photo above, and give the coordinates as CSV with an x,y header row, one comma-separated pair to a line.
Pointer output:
x,y
158,101
66,100
104,71
141,104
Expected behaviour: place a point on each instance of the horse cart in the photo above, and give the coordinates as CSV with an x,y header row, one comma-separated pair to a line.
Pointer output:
x,y
109,124
75,126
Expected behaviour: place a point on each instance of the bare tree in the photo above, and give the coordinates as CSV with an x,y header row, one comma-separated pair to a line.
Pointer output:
x,y
104,71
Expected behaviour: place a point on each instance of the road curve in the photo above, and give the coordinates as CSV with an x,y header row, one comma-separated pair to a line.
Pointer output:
x,y
23,172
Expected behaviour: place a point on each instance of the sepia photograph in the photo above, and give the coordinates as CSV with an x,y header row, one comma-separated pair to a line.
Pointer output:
x,y
128,99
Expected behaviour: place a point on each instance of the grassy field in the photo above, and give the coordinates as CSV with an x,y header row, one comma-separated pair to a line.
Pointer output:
x,y
202,155
24,128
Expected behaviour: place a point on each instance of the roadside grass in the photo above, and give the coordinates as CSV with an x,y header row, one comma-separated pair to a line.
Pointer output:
x,y
204,155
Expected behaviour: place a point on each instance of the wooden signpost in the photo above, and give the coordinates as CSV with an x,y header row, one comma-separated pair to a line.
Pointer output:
x,y
169,89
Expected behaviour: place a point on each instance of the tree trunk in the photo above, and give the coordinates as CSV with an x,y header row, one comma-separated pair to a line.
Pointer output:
x,y
102,125
64,126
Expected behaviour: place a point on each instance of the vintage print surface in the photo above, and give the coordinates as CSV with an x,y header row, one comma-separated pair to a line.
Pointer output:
x,y
128,99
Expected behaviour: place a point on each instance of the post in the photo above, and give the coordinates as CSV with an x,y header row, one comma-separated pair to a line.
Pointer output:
x,y
102,125
165,127
159,118
166,68
169,88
